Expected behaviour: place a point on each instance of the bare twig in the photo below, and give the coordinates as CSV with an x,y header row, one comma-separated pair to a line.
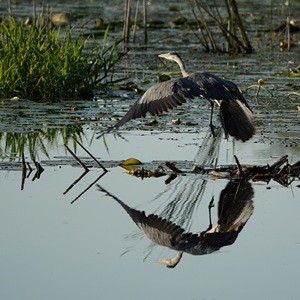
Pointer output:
x,y
135,21
127,13
204,23
237,19
145,21
279,162
173,167
241,172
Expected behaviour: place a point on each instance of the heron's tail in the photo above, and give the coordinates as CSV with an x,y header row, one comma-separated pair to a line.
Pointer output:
x,y
238,120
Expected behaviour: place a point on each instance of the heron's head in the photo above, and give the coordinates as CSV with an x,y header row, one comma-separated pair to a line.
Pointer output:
x,y
170,56
172,262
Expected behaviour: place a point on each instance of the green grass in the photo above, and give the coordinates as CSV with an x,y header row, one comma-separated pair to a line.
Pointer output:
x,y
48,64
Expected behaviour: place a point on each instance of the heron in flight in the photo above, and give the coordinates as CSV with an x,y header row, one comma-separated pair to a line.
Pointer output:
x,y
236,116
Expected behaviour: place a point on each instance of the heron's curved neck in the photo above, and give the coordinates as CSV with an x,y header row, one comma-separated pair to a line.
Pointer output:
x,y
182,67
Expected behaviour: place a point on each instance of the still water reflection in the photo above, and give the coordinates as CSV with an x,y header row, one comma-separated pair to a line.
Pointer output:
x,y
235,207
88,250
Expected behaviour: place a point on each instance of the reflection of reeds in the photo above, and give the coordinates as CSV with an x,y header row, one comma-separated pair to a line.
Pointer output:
x,y
15,143
234,33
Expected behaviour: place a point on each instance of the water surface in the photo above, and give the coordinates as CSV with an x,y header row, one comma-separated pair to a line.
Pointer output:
x,y
84,245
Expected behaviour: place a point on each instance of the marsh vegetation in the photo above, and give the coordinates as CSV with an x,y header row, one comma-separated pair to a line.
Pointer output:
x,y
44,63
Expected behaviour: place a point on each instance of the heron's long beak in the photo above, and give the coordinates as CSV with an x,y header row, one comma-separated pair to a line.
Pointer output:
x,y
164,262
172,262
164,55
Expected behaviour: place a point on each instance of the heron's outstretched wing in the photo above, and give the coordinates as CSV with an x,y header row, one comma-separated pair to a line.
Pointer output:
x,y
236,115
217,88
162,97
159,230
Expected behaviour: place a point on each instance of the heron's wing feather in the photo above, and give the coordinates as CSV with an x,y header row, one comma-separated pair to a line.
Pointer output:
x,y
162,231
237,119
236,115
235,206
162,97
157,229
217,88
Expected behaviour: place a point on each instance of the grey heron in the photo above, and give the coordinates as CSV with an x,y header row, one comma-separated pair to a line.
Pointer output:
x,y
234,210
236,116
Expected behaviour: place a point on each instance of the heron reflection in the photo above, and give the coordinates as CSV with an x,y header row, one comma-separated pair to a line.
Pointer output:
x,y
235,207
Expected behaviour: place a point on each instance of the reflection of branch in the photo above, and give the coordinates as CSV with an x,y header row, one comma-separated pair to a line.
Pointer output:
x,y
30,169
24,165
85,168
39,170
90,154
76,181
98,178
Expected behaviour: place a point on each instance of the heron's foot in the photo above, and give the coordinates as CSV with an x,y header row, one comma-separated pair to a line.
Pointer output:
x,y
211,203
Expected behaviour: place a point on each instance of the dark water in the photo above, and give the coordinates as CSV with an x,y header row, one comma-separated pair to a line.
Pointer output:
x,y
84,244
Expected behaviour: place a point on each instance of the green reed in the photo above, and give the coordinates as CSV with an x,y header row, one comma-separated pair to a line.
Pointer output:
x,y
48,64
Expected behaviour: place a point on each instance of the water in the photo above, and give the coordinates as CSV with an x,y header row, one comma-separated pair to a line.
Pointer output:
x,y
92,249
84,245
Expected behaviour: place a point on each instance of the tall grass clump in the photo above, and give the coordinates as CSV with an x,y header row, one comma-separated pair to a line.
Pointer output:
x,y
46,64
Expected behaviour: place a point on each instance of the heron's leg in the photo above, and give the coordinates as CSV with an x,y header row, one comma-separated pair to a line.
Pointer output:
x,y
212,127
210,206
225,131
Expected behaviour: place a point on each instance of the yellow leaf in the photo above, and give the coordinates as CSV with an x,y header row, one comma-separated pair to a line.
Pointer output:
x,y
130,161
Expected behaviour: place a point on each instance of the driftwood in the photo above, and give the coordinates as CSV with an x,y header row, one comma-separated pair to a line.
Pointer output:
x,y
281,171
